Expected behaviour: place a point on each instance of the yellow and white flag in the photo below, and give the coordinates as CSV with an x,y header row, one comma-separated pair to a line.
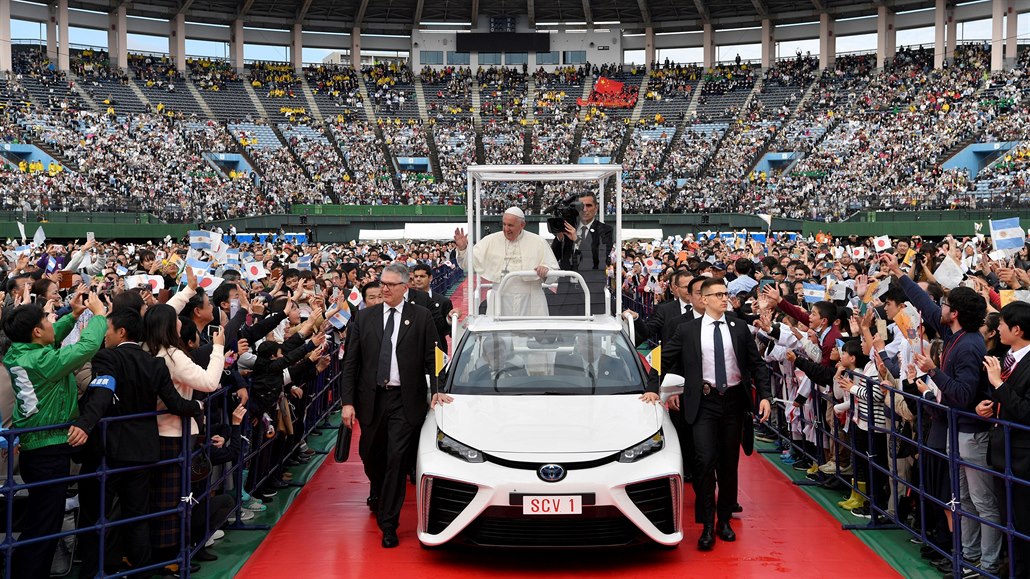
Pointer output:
x,y
441,360
654,358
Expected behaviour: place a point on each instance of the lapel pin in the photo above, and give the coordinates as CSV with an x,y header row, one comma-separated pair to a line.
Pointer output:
x,y
407,322
732,324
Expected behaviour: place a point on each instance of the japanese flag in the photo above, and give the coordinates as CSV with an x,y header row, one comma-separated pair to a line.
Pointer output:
x,y
858,252
208,282
156,283
254,270
882,243
355,298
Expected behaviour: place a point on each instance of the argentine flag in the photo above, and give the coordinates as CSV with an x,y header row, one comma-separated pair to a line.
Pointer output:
x,y
201,240
1007,235
814,292
341,318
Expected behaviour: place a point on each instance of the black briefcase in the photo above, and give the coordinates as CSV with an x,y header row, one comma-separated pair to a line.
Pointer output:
x,y
342,450
747,435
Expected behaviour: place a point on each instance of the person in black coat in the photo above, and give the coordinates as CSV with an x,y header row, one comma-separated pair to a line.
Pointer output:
x,y
584,247
127,380
1010,401
441,327
439,305
390,350
717,402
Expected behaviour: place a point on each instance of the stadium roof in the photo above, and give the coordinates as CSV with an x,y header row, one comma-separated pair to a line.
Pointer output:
x,y
400,16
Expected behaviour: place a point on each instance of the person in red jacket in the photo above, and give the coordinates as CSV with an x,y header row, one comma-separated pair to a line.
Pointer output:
x,y
821,321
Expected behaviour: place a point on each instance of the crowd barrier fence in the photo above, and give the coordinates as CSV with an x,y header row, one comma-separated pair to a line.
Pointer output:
x,y
320,400
830,434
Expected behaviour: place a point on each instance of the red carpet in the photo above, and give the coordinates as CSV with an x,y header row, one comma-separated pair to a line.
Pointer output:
x,y
328,532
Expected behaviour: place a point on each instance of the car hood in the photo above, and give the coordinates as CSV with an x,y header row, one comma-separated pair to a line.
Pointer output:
x,y
551,424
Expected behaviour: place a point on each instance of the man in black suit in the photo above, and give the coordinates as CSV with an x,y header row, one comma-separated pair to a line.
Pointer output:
x,y
724,368
390,350
586,248
668,315
439,305
138,379
1010,380
440,327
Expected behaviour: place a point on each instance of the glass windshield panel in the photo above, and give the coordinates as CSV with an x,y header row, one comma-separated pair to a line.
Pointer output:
x,y
546,362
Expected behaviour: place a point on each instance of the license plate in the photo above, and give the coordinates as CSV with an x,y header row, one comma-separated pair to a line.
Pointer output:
x,y
552,505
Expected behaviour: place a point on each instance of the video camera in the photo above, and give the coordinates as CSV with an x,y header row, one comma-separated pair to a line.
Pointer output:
x,y
567,211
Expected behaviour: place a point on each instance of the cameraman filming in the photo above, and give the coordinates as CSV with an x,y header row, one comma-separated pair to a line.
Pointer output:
x,y
584,247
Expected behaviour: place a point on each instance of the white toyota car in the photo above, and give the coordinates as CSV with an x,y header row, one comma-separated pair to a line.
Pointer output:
x,y
547,442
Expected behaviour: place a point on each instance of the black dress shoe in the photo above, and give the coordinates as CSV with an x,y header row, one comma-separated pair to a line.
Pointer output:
x,y
737,508
373,503
707,539
390,539
204,556
725,531
277,484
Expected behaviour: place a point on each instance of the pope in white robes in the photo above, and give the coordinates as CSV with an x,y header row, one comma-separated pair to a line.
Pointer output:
x,y
508,250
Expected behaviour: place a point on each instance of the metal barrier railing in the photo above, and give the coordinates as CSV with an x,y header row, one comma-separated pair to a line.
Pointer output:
x,y
887,469
320,399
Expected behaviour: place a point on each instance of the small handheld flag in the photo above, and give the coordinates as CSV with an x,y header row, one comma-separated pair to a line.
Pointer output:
x,y
341,318
814,292
882,243
254,270
1007,235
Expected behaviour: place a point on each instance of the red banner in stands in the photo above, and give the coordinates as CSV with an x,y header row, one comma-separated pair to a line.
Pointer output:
x,y
608,86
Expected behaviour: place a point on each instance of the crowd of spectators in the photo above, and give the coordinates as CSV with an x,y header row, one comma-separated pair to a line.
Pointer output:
x,y
503,143
211,74
275,79
502,93
552,142
373,180
155,70
865,139
212,357
672,81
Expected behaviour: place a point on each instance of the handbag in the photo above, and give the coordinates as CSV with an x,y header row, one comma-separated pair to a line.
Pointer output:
x,y
200,468
343,436
284,418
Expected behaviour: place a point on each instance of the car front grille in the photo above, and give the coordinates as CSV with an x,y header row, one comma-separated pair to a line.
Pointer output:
x,y
654,498
508,527
446,502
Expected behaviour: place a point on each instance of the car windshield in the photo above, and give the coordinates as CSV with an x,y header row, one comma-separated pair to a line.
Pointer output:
x,y
539,362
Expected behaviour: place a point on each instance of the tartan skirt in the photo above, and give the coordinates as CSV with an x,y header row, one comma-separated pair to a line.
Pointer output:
x,y
166,493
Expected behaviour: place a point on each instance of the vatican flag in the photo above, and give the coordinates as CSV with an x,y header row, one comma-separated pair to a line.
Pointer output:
x,y
654,359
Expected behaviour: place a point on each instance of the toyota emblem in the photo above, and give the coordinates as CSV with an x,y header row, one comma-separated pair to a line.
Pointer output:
x,y
551,473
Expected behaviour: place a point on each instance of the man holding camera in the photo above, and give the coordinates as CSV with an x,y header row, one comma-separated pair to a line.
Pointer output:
x,y
45,395
584,247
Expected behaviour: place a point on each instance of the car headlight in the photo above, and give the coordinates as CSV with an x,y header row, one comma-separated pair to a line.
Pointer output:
x,y
648,447
455,448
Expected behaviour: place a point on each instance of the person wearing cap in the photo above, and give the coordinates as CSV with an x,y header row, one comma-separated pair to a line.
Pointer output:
x,y
512,249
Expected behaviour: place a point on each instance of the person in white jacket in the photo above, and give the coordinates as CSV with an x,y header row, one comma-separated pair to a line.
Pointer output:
x,y
162,339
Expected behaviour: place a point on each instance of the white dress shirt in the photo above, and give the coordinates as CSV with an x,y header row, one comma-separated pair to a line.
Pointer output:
x,y
1018,355
708,351
684,306
395,373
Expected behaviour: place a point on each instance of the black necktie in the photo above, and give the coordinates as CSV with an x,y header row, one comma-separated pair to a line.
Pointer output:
x,y
720,360
386,351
